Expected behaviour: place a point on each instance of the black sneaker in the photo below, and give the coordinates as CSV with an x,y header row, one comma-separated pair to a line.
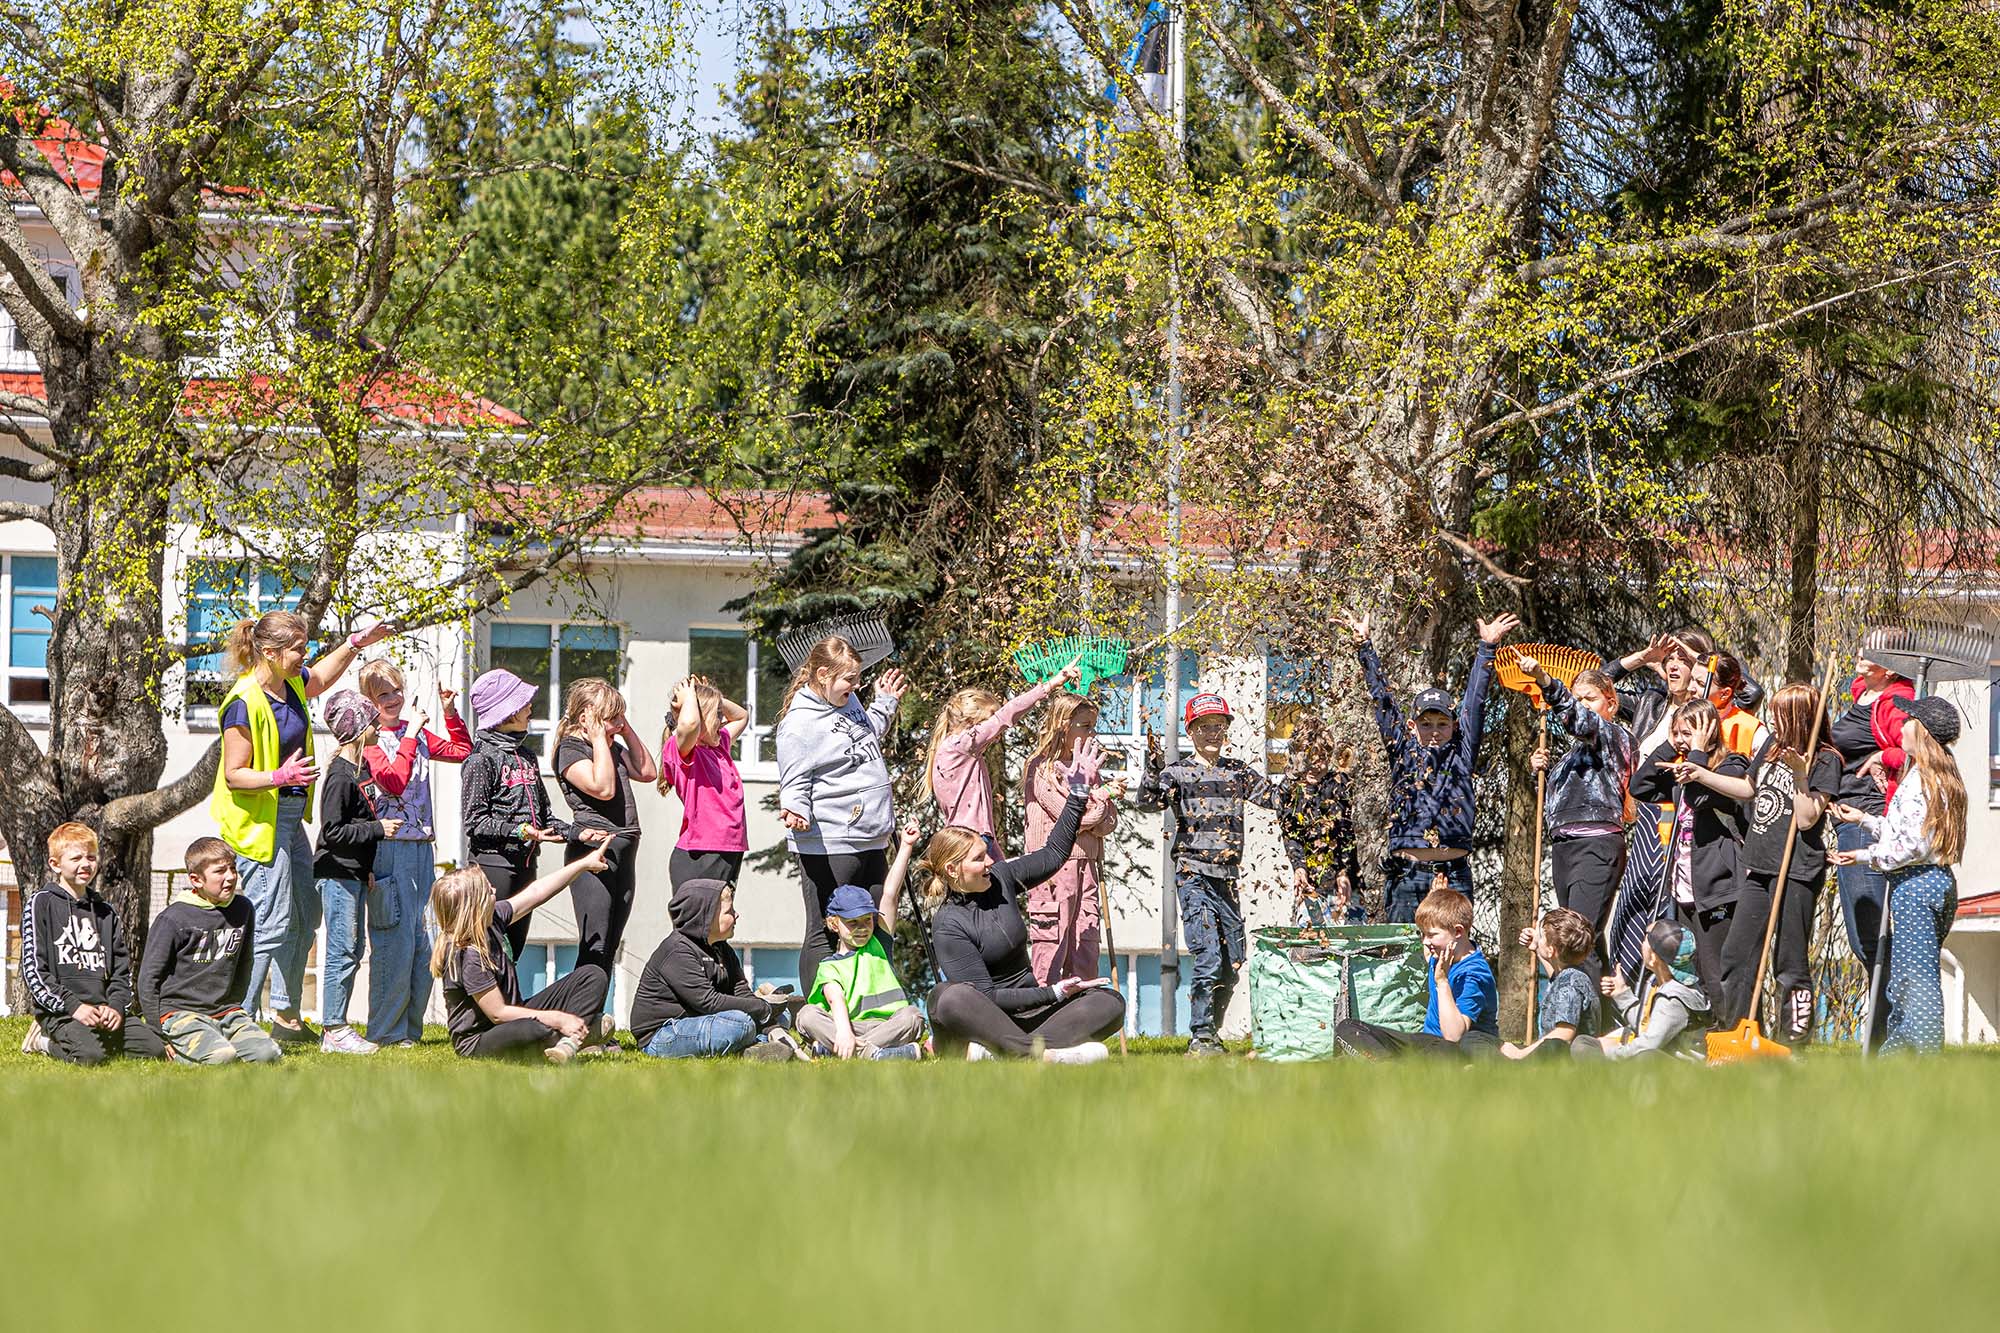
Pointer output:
x,y
768,1050
1203,1047
301,1035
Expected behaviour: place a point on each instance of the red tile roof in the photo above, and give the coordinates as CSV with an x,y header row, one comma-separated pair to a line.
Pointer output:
x,y
401,397
697,516
1979,906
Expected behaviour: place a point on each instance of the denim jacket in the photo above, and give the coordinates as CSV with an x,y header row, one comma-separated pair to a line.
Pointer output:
x,y
1430,786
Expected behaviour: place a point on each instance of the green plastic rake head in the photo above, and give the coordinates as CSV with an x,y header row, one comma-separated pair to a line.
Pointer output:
x,y
1102,658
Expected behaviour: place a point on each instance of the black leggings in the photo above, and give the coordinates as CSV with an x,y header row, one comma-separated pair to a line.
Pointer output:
x,y
1746,941
581,994
509,872
1710,927
1373,1042
72,1042
820,873
1587,871
961,1014
603,900
685,865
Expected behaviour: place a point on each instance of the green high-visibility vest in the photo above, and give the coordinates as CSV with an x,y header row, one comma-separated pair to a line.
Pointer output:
x,y
867,982
248,820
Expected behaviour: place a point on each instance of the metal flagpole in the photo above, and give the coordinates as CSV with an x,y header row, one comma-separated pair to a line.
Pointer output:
x,y
1170,963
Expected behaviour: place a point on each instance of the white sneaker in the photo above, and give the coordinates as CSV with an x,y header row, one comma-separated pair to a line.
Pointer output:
x,y
974,1051
344,1040
37,1041
563,1051
1089,1053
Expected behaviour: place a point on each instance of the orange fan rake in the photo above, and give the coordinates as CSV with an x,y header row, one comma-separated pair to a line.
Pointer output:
x,y
1560,661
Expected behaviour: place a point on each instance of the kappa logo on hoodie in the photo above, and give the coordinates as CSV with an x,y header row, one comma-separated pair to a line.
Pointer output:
x,y
81,946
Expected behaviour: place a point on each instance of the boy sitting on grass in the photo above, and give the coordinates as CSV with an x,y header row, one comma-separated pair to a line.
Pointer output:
x,y
1658,1015
197,965
856,1005
1463,1017
76,966
1562,941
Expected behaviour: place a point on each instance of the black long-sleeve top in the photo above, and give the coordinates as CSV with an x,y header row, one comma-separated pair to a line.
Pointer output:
x,y
500,789
197,957
1717,822
73,953
982,940
348,828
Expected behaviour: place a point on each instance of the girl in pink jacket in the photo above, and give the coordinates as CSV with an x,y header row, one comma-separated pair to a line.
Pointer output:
x,y
1064,925
957,771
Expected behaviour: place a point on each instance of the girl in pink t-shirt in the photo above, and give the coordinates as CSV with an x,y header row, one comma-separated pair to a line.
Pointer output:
x,y
697,764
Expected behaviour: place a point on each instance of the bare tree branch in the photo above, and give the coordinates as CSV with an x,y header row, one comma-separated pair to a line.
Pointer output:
x,y
145,810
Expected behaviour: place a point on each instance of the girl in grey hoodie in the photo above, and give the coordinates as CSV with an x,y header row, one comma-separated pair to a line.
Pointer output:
x,y
1661,1015
833,784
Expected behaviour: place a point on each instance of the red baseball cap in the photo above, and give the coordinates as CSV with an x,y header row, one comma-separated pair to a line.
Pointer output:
x,y
1205,705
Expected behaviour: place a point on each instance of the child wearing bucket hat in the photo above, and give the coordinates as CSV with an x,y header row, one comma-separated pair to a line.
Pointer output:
x,y
1918,838
1432,753
343,864
1205,794
505,807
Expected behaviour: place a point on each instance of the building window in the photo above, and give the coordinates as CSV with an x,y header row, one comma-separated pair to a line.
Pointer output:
x,y
1123,728
751,673
550,657
220,593
30,596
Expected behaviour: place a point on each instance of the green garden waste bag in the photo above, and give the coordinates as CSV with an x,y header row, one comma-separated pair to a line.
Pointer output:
x,y
1303,980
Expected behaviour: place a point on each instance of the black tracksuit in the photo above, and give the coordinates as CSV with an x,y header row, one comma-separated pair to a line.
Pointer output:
x,y
500,790
689,975
73,953
197,957
1715,856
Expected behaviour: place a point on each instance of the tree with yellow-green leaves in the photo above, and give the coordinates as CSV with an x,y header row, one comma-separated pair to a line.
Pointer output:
x,y
226,256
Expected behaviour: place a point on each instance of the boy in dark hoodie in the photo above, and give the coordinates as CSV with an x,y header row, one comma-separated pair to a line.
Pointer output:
x,y
505,807
197,965
1431,757
693,998
76,966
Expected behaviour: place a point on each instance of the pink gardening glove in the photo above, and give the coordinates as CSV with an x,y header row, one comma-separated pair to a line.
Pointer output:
x,y
296,771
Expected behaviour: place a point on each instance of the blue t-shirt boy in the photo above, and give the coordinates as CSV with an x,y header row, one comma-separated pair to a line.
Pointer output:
x,y
1472,987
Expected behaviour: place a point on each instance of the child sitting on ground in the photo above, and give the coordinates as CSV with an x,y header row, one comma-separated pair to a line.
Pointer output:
x,y
197,966
1431,758
1462,1019
75,963
1562,940
693,999
856,1005
1206,794
1657,1016
1585,809
482,992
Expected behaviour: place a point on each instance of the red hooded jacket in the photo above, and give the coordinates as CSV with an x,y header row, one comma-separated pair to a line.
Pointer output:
x,y
1885,721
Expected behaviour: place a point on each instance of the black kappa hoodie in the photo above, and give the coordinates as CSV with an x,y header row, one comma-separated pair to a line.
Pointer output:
x,y
73,952
688,976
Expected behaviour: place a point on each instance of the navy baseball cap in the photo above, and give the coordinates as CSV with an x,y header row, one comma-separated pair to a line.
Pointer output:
x,y
1434,700
850,901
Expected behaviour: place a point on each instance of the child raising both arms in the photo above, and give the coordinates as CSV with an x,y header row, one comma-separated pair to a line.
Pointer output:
x,y
698,764
1431,757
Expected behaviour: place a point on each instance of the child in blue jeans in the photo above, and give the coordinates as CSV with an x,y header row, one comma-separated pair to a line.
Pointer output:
x,y
1206,792
344,865
1431,757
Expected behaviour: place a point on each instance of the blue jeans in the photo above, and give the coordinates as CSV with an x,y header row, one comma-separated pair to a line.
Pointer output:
x,y
345,902
1212,931
710,1034
1408,881
1861,893
287,903
399,966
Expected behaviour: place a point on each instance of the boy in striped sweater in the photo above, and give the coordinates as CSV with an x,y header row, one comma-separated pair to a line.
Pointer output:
x,y
1205,794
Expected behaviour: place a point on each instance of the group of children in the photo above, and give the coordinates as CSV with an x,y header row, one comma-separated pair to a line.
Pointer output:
x,y
1719,796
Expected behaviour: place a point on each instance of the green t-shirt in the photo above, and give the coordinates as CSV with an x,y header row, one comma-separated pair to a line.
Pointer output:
x,y
867,982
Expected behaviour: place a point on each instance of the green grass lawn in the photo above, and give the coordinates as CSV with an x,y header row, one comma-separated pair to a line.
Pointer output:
x,y
415,1190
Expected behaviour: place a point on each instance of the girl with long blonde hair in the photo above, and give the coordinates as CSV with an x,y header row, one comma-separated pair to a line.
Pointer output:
x,y
1065,924
962,773
600,759
833,783
482,992
1918,838
991,1002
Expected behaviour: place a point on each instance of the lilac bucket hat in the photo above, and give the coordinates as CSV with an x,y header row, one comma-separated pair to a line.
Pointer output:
x,y
499,694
